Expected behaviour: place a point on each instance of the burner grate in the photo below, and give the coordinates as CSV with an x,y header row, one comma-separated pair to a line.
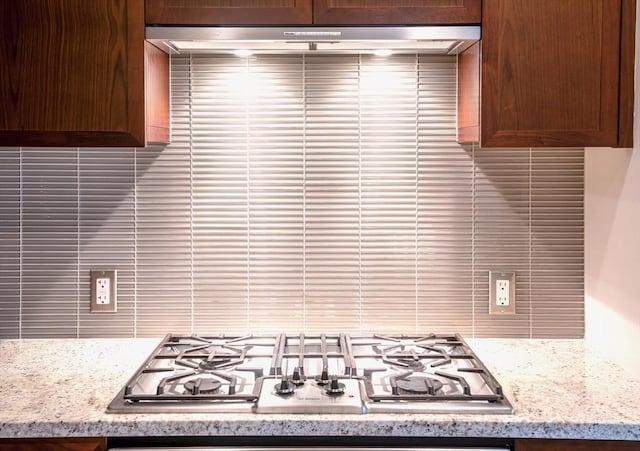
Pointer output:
x,y
429,368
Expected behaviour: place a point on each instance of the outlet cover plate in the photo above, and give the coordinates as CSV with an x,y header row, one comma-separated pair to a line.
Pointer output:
x,y
112,306
494,308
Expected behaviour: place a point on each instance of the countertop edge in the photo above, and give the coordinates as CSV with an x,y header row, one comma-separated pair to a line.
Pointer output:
x,y
335,428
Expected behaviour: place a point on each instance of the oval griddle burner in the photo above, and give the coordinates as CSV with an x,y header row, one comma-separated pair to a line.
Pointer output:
x,y
419,385
200,385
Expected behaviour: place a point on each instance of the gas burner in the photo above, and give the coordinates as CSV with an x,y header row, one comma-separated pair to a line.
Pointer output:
x,y
211,365
407,360
420,385
201,385
212,356
285,387
413,365
412,360
335,387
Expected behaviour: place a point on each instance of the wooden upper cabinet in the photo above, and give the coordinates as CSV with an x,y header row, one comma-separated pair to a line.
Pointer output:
x,y
226,12
551,73
53,444
396,12
72,73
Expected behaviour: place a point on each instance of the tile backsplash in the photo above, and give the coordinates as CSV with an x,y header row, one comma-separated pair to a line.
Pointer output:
x,y
300,193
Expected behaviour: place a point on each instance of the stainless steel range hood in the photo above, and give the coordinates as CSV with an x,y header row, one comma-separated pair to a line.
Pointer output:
x,y
445,40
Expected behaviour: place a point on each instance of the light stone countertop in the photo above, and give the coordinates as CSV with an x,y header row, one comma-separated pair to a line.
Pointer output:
x,y
559,389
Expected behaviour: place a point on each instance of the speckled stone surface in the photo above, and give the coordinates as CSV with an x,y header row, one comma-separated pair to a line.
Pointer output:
x,y
559,389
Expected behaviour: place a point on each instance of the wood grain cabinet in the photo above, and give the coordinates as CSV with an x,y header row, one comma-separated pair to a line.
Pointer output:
x,y
396,12
72,73
575,445
552,74
61,444
224,12
307,12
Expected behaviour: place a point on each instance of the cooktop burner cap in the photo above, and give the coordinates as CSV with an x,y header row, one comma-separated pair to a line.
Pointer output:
x,y
201,385
419,385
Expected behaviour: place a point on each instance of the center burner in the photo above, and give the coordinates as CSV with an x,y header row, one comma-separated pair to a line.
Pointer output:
x,y
322,373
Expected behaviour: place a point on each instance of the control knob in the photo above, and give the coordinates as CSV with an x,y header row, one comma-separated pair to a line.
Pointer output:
x,y
285,387
335,387
323,379
298,376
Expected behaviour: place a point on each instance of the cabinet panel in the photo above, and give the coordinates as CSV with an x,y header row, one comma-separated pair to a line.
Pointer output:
x,y
63,444
228,12
396,12
156,70
72,73
627,73
550,72
575,445
469,95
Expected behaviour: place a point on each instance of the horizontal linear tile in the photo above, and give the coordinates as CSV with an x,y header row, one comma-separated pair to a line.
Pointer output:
x,y
557,243
307,192
9,243
106,201
50,243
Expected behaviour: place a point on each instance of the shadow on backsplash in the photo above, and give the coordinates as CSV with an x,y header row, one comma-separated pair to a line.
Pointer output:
x,y
314,205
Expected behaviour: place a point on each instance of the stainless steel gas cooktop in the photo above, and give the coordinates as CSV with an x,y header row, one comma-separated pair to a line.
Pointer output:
x,y
324,373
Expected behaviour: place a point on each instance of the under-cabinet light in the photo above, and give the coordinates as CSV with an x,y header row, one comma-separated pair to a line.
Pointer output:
x,y
243,53
383,52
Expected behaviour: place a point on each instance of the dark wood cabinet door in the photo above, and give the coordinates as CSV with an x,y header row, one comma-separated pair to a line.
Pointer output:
x,y
62,444
227,12
550,72
72,73
575,445
396,12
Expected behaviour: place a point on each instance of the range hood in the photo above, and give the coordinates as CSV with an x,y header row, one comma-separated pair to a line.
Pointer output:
x,y
444,40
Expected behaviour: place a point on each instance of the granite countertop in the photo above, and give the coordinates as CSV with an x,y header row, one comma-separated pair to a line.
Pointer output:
x,y
559,389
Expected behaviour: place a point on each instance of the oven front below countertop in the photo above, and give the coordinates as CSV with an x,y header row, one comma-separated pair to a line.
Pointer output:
x,y
213,448
329,443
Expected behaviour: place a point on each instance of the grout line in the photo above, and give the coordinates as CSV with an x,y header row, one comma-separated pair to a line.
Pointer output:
x,y
473,240
191,277
417,180
304,194
77,242
248,169
20,250
457,123
530,242
359,193
135,242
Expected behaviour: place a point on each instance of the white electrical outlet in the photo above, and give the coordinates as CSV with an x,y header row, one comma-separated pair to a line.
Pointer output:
x,y
103,291
103,286
502,293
